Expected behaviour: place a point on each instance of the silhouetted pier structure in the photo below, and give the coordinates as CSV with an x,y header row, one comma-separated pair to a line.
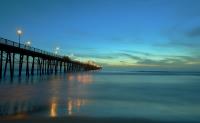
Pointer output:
x,y
36,61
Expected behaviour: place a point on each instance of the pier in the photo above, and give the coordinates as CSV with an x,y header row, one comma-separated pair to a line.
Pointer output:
x,y
16,56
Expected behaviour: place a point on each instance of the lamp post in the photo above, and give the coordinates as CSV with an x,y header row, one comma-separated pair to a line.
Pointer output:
x,y
56,50
19,33
27,44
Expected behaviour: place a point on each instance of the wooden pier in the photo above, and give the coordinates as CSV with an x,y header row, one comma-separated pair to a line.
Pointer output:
x,y
14,57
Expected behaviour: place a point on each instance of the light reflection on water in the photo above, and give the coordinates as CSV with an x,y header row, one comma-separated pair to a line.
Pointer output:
x,y
53,112
73,106
34,94
101,95
82,78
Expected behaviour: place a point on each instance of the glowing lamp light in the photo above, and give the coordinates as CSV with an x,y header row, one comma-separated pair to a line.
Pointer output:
x,y
28,43
19,32
57,48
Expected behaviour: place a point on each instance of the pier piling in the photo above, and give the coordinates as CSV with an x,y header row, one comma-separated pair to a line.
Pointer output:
x,y
44,62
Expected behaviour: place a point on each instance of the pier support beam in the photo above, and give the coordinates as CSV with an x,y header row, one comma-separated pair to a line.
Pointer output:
x,y
60,66
32,68
27,65
13,64
39,66
1,63
65,67
11,67
41,62
21,57
48,66
6,62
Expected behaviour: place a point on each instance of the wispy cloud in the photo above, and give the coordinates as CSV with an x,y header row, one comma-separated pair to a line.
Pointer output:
x,y
98,56
178,44
138,52
195,32
137,58
163,62
133,57
182,35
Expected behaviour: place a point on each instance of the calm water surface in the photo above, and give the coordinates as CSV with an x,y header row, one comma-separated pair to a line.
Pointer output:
x,y
166,96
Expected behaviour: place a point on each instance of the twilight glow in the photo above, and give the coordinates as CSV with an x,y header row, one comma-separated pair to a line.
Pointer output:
x,y
143,34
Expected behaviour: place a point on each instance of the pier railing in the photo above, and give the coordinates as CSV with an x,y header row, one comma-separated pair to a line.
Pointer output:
x,y
24,46
46,62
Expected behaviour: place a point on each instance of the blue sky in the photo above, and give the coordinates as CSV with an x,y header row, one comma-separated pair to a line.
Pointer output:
x,y
135,34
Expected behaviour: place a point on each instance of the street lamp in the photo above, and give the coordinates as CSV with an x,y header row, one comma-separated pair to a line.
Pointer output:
x,y
28,43
19,33
56,50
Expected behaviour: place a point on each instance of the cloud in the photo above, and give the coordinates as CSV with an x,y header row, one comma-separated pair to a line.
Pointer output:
x,y
171,61
98,56
130,59
163,62
123,61
133,57
181,36
108,56
195,32
180,43
138,52
187,44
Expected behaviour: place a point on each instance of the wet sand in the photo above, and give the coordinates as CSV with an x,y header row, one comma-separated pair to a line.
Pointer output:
x,y
84,120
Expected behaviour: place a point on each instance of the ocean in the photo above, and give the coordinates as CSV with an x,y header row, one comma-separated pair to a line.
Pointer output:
x,y
164,96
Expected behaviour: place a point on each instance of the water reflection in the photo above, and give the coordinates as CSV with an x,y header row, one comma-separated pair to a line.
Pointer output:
x,y
25,80
53,112
51,96
85,78
74,105
17,108
69,107
70,77
53,107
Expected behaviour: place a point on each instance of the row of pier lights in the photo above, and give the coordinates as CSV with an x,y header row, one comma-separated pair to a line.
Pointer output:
x,y
28,43
32,59
19,33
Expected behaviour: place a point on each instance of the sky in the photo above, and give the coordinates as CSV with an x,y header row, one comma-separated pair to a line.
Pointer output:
x,y
125,34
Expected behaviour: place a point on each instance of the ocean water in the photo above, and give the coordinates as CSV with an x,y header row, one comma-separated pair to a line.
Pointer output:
x,y
154,95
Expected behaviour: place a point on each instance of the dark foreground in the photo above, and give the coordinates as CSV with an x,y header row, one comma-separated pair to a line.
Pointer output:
x,y
85,120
